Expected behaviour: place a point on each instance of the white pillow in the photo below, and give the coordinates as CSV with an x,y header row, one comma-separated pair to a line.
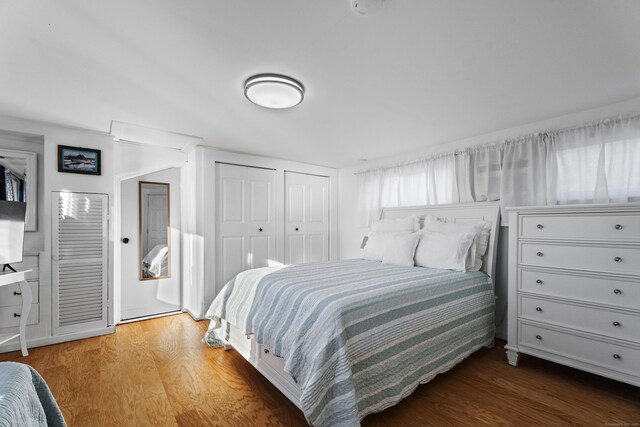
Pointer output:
x,y
376,245
400,249
481,241
446,251
409,224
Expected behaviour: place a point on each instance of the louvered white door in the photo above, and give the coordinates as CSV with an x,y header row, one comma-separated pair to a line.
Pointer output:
x,y
79,249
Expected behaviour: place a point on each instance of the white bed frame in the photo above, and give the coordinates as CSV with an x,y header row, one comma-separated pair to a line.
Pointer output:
x,y
272,367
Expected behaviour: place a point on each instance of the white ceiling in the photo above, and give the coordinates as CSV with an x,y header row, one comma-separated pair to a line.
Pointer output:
x,y
418,72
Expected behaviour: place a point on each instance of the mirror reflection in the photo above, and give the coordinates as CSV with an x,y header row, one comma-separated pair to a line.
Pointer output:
x,y
13,179
155,246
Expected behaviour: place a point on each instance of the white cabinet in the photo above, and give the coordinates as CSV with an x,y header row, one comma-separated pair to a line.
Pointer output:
x,y
245,219
574,287
306,218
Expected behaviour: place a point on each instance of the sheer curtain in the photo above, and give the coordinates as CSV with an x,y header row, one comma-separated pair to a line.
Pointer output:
x,y
599,163
595,163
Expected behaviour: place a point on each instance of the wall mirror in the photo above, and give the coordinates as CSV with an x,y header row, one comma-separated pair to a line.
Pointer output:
x,y
155,245
19,182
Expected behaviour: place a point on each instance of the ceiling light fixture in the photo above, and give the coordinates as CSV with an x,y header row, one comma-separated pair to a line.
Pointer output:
x,y
273,91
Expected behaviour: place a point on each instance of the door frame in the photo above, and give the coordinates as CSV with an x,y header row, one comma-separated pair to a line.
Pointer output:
x,y
117,235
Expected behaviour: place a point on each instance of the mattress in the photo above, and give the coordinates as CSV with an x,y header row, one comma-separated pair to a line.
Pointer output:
x,y
357,336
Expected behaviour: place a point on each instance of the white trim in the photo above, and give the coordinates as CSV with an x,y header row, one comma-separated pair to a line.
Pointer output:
x,y
153,316
57,339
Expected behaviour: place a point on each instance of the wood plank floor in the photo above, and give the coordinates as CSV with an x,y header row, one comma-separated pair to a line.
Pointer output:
x,y
158,373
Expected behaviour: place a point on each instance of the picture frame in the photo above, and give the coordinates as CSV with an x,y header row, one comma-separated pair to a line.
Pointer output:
x,y
85,161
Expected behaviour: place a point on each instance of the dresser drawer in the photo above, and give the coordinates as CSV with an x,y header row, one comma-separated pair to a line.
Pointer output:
x,y
604,290
7,297
8,320
590,319
611,259
612,356
615,227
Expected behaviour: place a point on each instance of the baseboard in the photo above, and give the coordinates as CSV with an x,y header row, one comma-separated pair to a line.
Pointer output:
x,y
194,316
41,342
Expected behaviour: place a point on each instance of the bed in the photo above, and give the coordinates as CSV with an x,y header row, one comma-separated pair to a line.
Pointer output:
x,y
345,339
25,398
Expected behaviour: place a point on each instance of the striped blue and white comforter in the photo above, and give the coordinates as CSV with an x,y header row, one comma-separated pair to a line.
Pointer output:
x,y
357,335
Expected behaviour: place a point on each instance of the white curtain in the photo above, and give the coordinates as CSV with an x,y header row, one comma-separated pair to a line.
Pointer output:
x,y
597,163
528,173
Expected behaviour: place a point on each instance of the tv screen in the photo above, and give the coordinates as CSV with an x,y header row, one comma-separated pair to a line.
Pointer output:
x,y
12,215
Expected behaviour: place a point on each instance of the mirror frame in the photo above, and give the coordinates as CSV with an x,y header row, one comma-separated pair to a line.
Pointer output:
x,y
140,184
31,159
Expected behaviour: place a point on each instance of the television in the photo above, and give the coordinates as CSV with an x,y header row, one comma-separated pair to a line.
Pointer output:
x,y
12,217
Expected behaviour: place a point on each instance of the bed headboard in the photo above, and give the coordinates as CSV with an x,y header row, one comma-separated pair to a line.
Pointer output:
x,y
460,213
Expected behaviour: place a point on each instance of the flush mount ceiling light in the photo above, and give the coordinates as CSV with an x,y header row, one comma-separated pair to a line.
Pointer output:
x,y
273,91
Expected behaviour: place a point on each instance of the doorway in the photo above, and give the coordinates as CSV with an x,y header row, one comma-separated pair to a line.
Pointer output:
x,y
150,245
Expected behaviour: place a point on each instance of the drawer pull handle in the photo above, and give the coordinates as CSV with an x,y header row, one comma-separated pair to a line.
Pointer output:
x,y
266,351
17,293
260,229
539,309
538,337
617,259
16,315
617,291
539,254
539,282
617,324
618,227
617,356
540,226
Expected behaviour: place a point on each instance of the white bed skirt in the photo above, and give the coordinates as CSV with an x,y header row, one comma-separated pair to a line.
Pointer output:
x,y
270,366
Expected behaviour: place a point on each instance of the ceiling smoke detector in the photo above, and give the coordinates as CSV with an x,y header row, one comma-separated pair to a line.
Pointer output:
x,y
365,7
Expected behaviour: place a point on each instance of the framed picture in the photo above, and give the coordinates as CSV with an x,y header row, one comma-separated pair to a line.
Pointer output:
x,y
79,160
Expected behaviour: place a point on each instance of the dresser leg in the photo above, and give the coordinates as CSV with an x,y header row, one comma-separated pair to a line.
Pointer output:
x,y
24,316
513,357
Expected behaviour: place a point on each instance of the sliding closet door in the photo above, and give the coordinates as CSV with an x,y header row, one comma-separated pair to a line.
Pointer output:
x,y
306,218
245,217
79,247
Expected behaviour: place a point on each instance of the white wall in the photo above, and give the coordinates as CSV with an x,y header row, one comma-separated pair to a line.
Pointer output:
x,y
201,223
51,180
351,235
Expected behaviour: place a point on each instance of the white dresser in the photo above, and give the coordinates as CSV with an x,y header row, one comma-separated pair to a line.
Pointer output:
x,y
574,287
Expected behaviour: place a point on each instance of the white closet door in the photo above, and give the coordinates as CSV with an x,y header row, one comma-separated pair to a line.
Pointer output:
x,y
79,246
307,218
245,213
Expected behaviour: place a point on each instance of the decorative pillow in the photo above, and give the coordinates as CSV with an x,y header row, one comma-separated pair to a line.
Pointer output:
x,y
376,245
408,224
400,249
446,251
481,241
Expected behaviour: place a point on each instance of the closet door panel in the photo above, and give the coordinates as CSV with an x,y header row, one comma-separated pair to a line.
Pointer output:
x,y
306,216
295,249
245,220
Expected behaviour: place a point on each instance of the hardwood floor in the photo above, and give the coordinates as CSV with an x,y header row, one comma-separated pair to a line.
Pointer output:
x,y
158,373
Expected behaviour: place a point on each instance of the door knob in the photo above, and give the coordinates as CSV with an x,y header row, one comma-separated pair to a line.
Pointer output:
x,y
125,240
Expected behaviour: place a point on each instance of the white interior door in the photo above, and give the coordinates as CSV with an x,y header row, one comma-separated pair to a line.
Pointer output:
x,y
79,249
245,219
150,297
306,218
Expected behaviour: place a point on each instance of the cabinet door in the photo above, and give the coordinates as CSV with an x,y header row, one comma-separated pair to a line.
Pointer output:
x,y
245,219
306,218
79,246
